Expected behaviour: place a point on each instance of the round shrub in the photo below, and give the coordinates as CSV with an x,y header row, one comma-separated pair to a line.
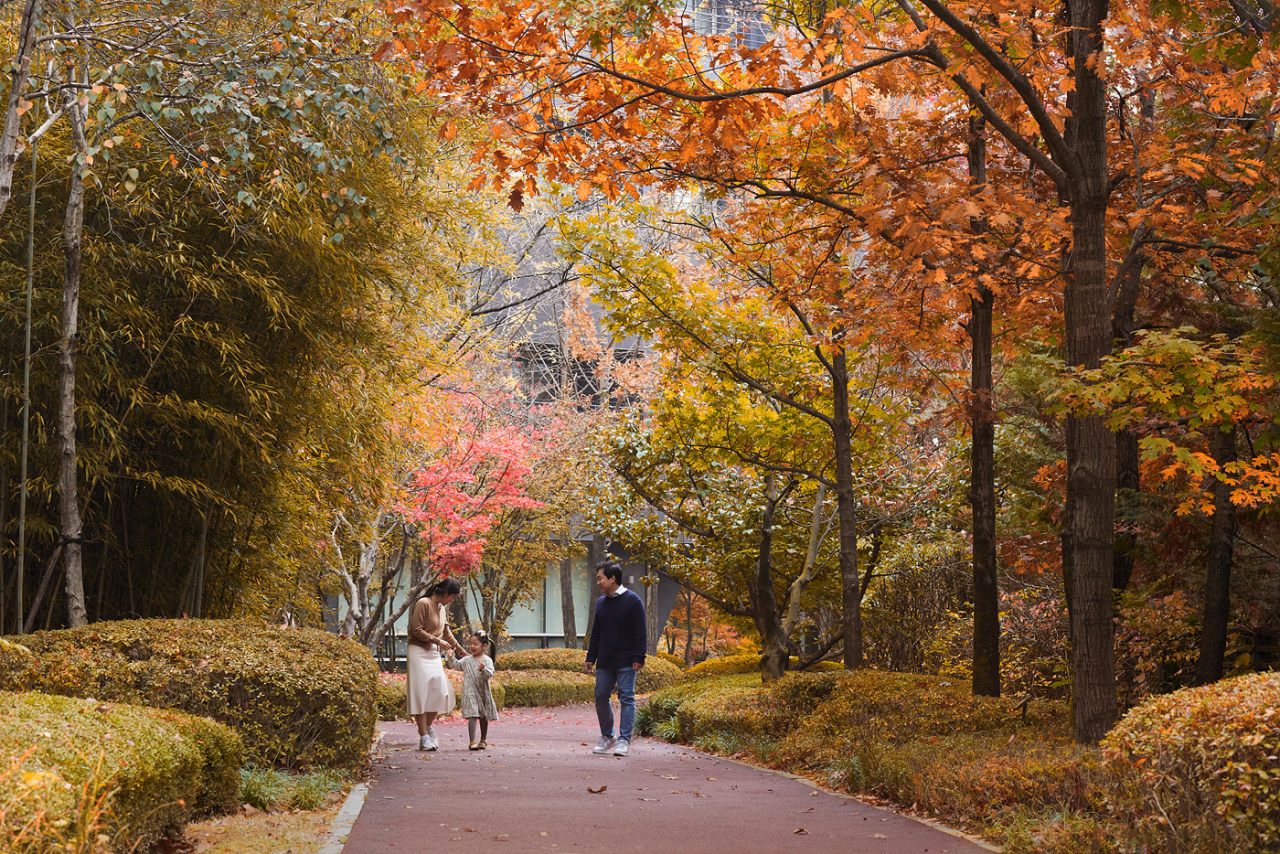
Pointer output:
x,y
298,697
546,687
556,658
157,769
669,658
1196,770
749,662
657,673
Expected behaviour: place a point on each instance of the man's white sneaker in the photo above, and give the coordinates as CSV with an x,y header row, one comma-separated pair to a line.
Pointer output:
x,y
604,745
621,748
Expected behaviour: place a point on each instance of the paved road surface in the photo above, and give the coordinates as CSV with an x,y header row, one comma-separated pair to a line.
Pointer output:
x,y
539,788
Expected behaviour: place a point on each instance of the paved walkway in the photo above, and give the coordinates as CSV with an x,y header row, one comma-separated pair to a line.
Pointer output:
x,y
539,788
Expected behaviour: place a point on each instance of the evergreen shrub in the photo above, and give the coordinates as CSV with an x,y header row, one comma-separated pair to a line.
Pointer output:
x,y
393,694
658,673
297,697
749,662
1197,770
546,687
108,773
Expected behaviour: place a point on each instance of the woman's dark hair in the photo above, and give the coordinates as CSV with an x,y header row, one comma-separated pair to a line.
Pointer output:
x,y
445,587
611,569
490,644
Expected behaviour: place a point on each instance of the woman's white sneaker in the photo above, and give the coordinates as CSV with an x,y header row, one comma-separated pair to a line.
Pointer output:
x,y
604,745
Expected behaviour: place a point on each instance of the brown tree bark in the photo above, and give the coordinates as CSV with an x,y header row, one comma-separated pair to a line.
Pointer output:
x,y
1090,445
773,661
568,617
982,500
847,511
1217,582
982,475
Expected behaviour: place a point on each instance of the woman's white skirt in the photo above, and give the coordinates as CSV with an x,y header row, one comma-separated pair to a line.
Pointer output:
x,y
429,688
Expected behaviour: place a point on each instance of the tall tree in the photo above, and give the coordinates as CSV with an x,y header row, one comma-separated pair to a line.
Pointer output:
x,y
862,101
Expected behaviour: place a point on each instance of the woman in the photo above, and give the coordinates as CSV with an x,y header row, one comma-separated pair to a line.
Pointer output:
x,y
430,691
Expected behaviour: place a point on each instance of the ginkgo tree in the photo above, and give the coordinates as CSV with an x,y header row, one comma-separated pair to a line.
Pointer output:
x,y
781,388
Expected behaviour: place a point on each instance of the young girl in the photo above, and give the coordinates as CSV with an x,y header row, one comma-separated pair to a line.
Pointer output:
x,y
477,699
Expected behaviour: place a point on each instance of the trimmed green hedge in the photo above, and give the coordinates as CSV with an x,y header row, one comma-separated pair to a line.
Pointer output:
x,y
298,698
656,675
1197,769
393,688
670,659
749,662
60,755
546,687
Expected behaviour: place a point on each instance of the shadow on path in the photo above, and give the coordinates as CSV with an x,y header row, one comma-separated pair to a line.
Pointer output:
x,y
539,788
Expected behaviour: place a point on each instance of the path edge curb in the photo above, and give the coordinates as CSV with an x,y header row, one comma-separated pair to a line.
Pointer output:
x,y
345,819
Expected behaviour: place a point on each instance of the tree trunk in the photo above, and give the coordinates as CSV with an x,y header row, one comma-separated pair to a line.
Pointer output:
x,y
982,499
982,477
21,71
652,629
1128,472
1090,445
597,553
688,623
847,511
68,498
568,617
1128,487
1217,582
773,661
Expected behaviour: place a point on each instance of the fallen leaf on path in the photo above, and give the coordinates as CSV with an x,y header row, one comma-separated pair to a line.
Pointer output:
x,y
501,836
810,809
814,793
597,791
648,799
711,778
877,836
801,831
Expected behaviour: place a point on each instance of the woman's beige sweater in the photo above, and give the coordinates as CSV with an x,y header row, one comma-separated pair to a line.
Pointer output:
x,y
428,626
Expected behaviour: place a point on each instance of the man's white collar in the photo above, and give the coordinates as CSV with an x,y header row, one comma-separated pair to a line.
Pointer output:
x,y
618,592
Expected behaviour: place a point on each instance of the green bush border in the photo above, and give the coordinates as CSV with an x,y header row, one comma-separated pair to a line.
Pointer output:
x,y
161,768
299,698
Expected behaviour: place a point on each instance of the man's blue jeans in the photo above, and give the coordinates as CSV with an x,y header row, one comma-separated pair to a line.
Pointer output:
x,y
625,679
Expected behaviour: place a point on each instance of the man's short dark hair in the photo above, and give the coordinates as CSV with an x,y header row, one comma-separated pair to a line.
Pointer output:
x,y
611,569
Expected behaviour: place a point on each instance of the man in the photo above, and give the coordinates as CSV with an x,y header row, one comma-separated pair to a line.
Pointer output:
x,y
615,654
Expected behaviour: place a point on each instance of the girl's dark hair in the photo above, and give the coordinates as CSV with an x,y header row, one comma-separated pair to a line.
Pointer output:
x,y
489,643
445,587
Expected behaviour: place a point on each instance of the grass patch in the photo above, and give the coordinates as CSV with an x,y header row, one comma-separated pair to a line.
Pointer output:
x,y
253,832
271,790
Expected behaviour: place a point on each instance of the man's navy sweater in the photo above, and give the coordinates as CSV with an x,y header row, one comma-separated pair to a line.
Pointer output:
x,y
618,635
